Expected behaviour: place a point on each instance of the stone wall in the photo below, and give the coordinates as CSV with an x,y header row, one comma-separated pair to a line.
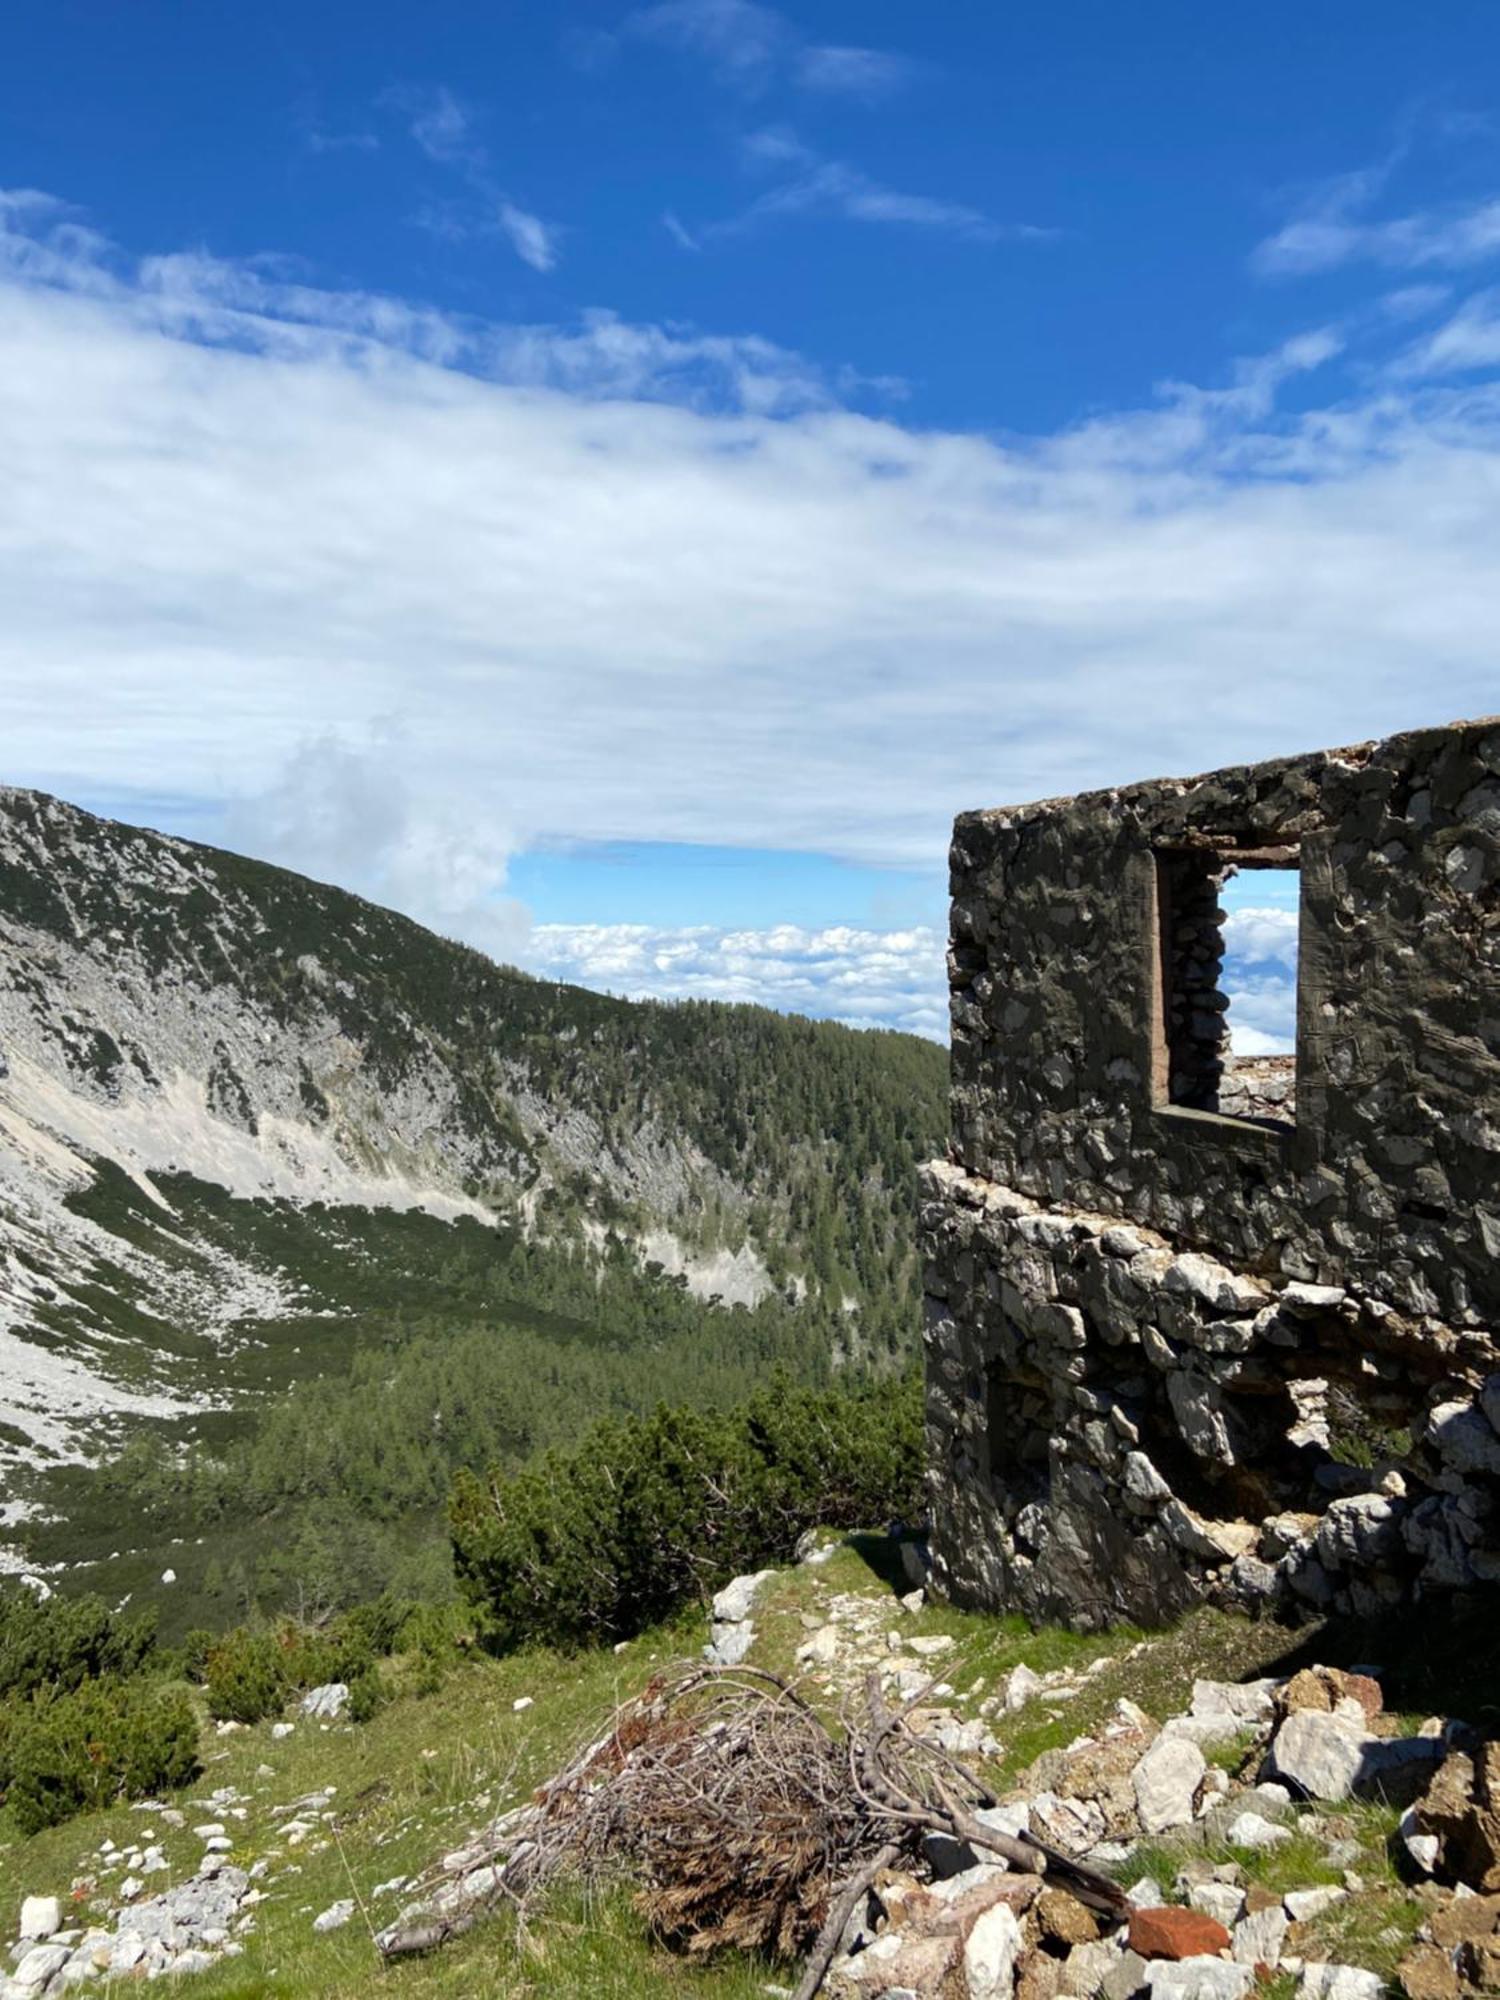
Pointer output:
x,y
1197,1331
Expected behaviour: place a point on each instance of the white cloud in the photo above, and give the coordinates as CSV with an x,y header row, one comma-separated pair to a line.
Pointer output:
x,y
1252,936
1262,1013
813,186
439,124
884,979
239,514
740,41
444,130
1260,980
1467,341
853,72
346,814
1332,226
746,47
1430,238
534,242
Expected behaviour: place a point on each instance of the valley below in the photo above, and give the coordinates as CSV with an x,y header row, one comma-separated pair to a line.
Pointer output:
x,y
303,1207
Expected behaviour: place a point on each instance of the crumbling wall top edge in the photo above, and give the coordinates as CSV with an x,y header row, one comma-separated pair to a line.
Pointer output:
x,y
1146,792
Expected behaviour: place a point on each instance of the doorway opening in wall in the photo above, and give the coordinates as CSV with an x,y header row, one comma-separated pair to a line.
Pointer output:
x,y
1227,924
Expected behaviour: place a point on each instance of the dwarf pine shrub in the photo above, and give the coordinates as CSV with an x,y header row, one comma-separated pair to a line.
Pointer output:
x,y
594,1544
65,1751
59,1641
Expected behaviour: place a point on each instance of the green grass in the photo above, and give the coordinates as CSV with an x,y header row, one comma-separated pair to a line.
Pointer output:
x,y
426,1771
1373,1927
411,1783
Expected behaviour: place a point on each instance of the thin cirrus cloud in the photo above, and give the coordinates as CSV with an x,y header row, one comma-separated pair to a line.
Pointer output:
x,y
613,582
869,74
747,48
804,184
1333,226
443,129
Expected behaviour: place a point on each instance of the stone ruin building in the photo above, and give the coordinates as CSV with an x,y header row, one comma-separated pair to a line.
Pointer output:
x,y
1190,1333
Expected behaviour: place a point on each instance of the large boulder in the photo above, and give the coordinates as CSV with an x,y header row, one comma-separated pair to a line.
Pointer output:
x,y
1166,1782
1321,1752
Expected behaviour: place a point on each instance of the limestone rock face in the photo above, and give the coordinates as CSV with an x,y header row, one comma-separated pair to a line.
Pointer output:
x,y
1320,1752
1166,1782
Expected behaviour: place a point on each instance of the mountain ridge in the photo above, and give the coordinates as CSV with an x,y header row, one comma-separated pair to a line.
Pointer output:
x,y
175,1009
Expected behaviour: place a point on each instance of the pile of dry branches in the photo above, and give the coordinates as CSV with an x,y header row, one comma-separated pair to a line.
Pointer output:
x,y
743,1818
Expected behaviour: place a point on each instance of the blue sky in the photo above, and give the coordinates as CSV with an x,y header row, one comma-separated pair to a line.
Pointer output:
x,y
615,480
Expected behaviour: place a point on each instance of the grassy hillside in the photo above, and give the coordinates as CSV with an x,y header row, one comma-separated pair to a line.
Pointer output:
x,y
320,1476
388,1797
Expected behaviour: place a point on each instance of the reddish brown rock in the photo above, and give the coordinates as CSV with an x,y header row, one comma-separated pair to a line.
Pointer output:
x,y
1064,1918
1323,1688
1040,1977
1172,1932
1464,1918
1427,1974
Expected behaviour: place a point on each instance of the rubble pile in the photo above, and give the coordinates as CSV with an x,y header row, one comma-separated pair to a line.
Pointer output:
x,y
964,1927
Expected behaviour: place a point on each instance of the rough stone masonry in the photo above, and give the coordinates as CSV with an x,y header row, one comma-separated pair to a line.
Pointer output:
x,y
1193,1332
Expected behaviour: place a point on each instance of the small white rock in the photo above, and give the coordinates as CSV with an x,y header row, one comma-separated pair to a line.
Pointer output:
x,y
40,1917
335,1916
1166,1782
931,1644
1339,1982
1304,1904
1258,1938
521,1703
1221,1900
1252,1831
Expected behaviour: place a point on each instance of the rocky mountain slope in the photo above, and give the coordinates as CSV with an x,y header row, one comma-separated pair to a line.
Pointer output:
x,y
187,1018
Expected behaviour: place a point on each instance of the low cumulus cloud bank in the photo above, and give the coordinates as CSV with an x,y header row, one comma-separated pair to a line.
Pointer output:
x,y
874,978
1260,978
605,582
867,978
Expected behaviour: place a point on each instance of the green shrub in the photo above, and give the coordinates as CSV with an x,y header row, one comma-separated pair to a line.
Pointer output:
x,y
366,1694
244,1677
76,1750
250,1673
196,1647
60,1642
597,1543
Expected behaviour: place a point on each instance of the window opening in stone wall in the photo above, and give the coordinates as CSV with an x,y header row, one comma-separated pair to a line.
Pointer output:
x,y
1227,923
